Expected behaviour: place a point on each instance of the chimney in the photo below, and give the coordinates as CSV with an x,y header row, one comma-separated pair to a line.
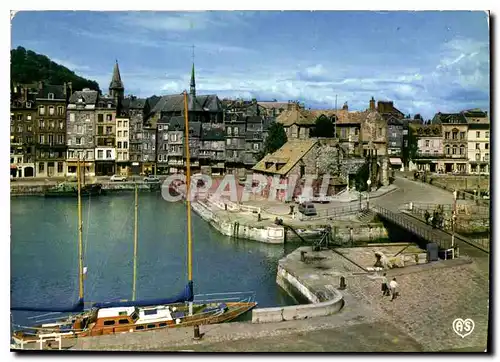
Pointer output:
x,y
65,90
70,85
372,104
345,107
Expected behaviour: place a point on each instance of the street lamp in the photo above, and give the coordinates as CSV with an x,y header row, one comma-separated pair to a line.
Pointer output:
x,y
453,217
369,182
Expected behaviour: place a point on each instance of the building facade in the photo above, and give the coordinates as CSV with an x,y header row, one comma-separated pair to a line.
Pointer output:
x,y
122,146
455,129
478,141
427,144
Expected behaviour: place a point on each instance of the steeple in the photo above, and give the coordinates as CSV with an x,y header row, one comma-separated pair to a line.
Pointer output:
x,y
116,86
192,88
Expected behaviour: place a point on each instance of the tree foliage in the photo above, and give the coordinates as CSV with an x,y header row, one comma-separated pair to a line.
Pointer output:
x,y
324,127
275,139
27,67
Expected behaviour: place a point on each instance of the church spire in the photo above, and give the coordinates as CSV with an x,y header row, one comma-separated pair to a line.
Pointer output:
x,y
192,88
116,85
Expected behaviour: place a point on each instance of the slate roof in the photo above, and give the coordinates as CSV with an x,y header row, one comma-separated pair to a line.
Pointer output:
x,y
89,97
103,101
133,103
449,118
175,103
177,124
289,154
57,90
345,116
255,119
116,79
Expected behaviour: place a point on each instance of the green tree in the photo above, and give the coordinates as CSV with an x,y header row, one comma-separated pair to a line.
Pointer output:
x,y
323,127
276,138
27,67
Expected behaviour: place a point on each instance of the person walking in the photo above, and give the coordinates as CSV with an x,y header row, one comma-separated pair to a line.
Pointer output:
x,y
385,285
393,285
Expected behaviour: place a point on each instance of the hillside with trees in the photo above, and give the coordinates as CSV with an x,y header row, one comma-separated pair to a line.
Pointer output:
x,y
27,67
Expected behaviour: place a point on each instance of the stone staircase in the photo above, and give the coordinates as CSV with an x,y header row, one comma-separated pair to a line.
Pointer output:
x,y
366,216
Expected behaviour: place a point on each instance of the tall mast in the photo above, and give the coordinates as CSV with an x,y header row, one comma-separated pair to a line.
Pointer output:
x,y
188,197
80,244
135,244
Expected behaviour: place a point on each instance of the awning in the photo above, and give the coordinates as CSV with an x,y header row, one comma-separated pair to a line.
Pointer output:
x,y
395,161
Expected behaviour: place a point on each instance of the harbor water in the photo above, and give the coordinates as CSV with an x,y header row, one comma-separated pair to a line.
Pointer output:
x,y
44,253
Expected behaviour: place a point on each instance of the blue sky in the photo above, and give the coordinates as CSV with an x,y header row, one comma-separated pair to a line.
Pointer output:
x,y
424,61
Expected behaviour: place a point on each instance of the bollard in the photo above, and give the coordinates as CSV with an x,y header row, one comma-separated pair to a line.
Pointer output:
x,y
303,256
342,283
197,334
258,217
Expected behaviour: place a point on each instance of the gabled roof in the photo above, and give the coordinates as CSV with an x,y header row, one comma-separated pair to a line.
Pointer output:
x,y
56,90
296,116
175,103
88,96
284,159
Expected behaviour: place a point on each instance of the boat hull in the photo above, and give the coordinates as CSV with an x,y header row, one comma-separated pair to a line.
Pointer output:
x,y
89,190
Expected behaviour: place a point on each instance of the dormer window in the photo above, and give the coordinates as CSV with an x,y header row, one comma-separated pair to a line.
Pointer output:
x,y
28,104
269,164
51,95
80,100
109,105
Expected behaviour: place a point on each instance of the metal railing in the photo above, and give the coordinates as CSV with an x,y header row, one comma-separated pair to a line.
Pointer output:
x,y
333,213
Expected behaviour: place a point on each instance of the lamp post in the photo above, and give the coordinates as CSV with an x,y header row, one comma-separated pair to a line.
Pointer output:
x,y
453,216
369,182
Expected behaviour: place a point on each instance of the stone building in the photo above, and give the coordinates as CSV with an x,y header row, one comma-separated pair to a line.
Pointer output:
x,y
23,115
478,141
235,142
454,128
162,146
297,121
427,147
105,136
51,146
256,132
80,126
175,155
273,108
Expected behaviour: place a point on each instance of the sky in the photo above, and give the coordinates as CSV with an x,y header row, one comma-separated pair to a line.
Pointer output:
x,y
425,62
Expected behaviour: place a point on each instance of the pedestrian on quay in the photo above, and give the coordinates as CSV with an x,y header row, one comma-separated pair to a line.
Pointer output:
x,y
393,285
385,285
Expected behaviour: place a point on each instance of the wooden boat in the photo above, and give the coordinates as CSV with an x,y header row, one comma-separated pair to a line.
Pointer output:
x,y
134,315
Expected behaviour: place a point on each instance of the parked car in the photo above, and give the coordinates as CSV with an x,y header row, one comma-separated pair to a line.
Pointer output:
x,y
118,178
307,208
151,178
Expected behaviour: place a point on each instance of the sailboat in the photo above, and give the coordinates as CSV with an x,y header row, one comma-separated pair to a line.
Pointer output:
x,y
131,316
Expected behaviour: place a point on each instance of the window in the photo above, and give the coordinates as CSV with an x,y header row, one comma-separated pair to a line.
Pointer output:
x,y
51,95
125,144
123,321
41,167
61,124
119,144
79,129
487,134
109,130
256,146
41,124
90,155
71,117
454,150
119,133
28,117
380,131
394,134
60,111
51,125
41,110
125,124
427,143
462,135
42,138
486,156
100,154
125,134
100,117
447,150
229,131
455,135
51,139
108,153
138,328
60,139
19,128
19,117
228,141
109,323
78,140
51,110
486,146
478,134
29,128
109,117
59,167
71,154
478,156
462,150
28,104
478,146
447,135
151,326
120,124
